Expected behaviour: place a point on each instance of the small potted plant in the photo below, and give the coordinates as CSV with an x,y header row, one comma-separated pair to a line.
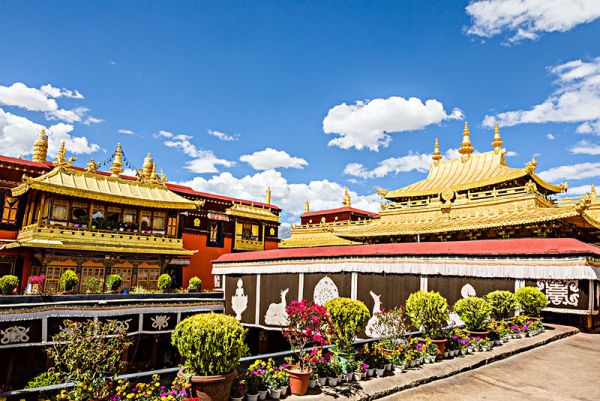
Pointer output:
x,y
531,301
474,312
68,280
320,365
194,285
272,381
113,282
349,317
164,282
237,390
429,312
92,285
210,346
390,326
36,283
8,284
348,370
485,344
397,359
335,370
360,373
252,380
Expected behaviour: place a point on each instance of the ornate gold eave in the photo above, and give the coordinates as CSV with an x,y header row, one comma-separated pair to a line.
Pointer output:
x,y
252,212
314,238
89,185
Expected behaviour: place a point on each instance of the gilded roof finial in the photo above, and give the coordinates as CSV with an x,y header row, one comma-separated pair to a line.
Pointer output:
x,y
268,196
61,156
593,191
40,147
117,163
465,147
347,202
497,142
531,165
91,166
146,170
437,155
306,206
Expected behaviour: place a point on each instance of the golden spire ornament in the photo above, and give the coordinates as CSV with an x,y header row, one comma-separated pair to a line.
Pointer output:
x,y
306,206
347,201
437,155
40,147
465,147
117,164
497,142
268,196
61,156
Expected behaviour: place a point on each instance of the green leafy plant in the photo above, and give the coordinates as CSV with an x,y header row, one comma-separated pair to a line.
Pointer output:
x,y
47,378
503,303
390,325
164,282
349,318
531,301
138,289
474,311
93,285
89,354
194,284
429,311
210,343
68,280
8,284
113,282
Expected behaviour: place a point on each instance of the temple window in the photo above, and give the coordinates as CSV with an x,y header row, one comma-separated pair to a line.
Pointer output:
x,y
172,226
148,278
158,223
87,272
9,210
79,215
129,220
215,233
145,220
113,218
53,274
125,274
250,232
98,217
59,214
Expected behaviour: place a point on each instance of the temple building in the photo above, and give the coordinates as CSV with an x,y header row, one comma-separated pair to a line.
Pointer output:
x,y
57,216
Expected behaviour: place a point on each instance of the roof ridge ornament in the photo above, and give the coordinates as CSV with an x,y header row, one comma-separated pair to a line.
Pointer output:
x,y
92,166
40,147
531,165
437,155
497,142
61,156
306,206
466,147
268,196
117,163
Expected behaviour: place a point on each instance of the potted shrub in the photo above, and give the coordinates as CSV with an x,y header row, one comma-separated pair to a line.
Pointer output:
x,y
253,380
502,303
113,282
531,301
474,312
194,285
428,311
210,346
164,282
92,285
390,325
68,280
309,325
349,317
36,284
8,284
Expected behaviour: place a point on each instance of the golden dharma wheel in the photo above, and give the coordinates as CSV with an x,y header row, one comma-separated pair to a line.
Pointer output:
x,y
447,194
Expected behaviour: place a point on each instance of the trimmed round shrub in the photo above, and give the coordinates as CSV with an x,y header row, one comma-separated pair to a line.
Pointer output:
x,y
428,311
349,317
68,280
8,284
113,282
164,282
531,301
474,311
503,304
93,285
210,343
47,378
194,284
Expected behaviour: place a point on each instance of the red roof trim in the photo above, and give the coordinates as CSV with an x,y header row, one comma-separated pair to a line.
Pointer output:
x,y
28,163
499,247
190,191
339,210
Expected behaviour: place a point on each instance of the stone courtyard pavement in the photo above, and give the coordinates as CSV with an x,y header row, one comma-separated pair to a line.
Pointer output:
x,y
546,367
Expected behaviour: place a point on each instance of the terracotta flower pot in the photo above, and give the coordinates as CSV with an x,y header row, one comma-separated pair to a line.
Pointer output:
x,y
212,388
481,334
298,379
440,344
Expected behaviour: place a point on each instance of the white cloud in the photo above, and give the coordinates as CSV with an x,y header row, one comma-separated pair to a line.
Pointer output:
x,y
20,95
57,92
223,136
203,161
18,133
322,194
125,131
528,19
580,190
576,100
577,171
550,136
367,124
585,148
271,159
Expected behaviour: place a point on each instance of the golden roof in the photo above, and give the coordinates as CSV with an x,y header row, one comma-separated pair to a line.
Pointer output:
x,y
314,237
252,212
478,170
68,181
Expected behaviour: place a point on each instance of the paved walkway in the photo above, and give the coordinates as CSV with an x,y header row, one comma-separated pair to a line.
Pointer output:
x,y
563,370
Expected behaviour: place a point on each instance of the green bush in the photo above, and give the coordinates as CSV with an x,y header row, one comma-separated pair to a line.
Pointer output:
x,y
350,317
531,301
210,343
164,282
194,284
428,311
503,304
68,280
474,311
93,285
113,282
47,378
8,283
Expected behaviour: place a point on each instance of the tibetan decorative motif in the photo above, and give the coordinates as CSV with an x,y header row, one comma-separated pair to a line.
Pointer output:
x,y
325,290
14,334
160,322
373,330
276,314
560,292
239,302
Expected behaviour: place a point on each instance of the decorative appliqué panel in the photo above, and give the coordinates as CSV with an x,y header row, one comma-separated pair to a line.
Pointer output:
x,y
160,322
468,291
14,334
276,314
373,329
239,301
325,290
560,292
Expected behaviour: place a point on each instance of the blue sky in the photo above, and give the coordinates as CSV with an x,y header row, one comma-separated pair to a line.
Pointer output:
x,y
230,97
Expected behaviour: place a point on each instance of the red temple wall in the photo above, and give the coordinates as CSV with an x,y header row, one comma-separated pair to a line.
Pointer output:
x,y
201,261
